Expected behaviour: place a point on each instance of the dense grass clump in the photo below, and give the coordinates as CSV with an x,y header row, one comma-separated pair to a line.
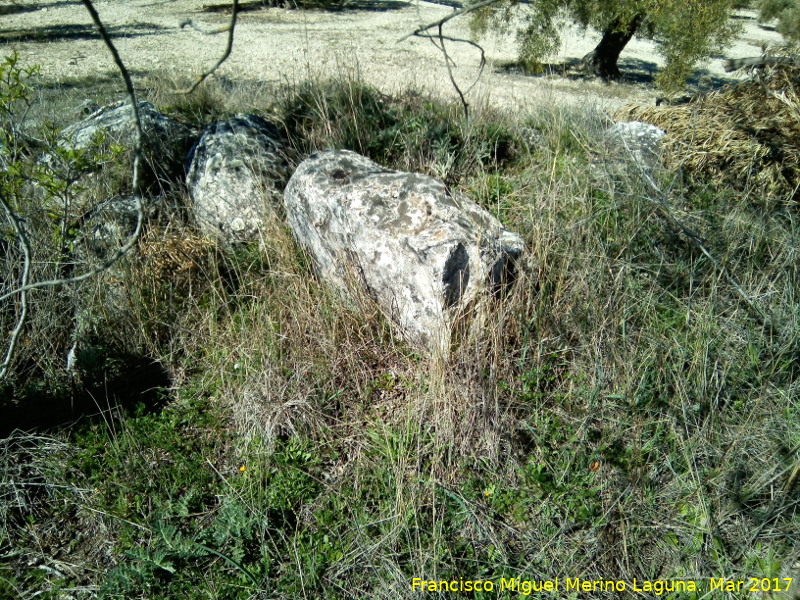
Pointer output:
x,y
744,135
410,133
628,411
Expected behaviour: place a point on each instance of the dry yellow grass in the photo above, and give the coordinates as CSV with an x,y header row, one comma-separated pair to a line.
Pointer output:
x,y
746,135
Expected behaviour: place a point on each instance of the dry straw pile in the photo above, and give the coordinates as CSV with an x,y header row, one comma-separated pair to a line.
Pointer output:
x,y
746,135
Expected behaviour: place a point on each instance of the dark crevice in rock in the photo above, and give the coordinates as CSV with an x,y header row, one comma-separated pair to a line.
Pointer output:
x,y
456,275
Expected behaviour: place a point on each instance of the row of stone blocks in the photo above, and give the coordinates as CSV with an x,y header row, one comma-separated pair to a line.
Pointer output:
x,y
419,250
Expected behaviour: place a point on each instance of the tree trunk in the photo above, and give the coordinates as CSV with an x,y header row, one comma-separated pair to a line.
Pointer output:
x,y
602,61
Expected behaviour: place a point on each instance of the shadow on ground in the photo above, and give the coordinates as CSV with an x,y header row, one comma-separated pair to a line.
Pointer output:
x,y
634,72
15,9
12,8
329,5
139,384
55,33
569,69
704,81
91,83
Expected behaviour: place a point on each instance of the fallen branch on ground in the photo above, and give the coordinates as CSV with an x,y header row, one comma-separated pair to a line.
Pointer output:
x,y
734,64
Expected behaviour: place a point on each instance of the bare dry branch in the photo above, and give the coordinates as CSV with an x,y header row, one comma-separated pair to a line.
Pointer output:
x,y
22,238
23,289
449,63
231,29
452,15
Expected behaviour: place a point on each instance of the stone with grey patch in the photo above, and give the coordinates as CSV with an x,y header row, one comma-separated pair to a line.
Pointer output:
x,y
420,250
636,140
164,145
237,172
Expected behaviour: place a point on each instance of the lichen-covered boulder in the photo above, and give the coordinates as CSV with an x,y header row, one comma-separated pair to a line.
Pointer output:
x,y
417,248
237,171
164,145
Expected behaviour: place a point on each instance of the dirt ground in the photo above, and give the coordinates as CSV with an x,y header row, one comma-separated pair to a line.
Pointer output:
x,y
276,45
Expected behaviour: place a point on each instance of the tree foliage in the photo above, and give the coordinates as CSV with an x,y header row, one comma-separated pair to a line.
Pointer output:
x,y
787,15
688,30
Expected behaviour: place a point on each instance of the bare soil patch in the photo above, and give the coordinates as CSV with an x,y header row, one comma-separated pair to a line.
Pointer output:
x,y
281,45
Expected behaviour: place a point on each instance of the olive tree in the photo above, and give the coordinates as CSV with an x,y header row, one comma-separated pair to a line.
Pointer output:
x,y
688,30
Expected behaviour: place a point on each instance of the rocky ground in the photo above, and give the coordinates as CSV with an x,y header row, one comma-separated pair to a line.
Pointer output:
x,y
279,45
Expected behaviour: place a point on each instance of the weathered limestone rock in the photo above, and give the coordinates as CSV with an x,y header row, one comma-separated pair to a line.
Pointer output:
x,y
637,140
164,146
237,169
415,247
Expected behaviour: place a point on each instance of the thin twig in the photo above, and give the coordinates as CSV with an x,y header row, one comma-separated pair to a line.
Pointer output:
x,y
420,32
452,15
19,230
22,237
461,41
231,29
23,289
447,62
137,158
